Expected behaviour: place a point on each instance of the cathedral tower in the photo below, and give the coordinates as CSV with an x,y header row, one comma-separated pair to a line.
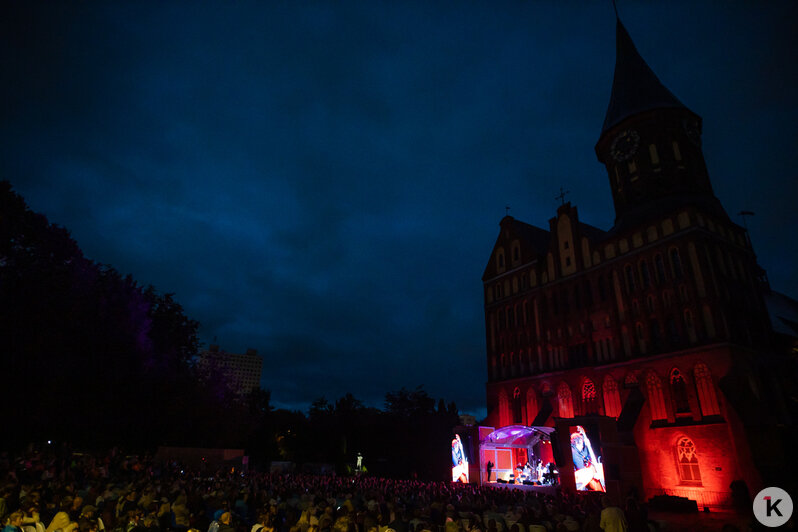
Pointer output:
x,y
650,144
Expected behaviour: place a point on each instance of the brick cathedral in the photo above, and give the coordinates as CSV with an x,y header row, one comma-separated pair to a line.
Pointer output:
x,y
656,330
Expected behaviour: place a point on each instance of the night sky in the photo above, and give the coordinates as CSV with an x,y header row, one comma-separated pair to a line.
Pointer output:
x,y
323,181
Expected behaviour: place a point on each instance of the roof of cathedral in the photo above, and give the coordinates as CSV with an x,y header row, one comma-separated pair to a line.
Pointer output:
x,y
635,87
540,239
594,234
654,209
783,312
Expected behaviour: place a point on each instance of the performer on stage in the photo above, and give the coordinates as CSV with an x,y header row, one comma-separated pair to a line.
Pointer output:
x,y
588,471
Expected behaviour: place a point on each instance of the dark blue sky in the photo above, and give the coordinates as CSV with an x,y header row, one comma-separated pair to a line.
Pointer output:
x,y
323,181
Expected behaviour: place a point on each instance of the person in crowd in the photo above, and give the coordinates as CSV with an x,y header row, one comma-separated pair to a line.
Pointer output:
x,y
612,517
61,521
14,522
226,522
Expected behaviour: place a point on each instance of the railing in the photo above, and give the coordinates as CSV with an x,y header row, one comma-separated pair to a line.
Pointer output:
x,y
702,497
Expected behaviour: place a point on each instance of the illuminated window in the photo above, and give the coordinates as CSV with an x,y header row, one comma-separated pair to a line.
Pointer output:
x,y
565,400
652,152
612,401
655,398
681,405
677,153
687,460
706,390
589,397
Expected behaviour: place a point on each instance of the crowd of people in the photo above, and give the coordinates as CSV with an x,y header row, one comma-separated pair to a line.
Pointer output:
x,y
51,491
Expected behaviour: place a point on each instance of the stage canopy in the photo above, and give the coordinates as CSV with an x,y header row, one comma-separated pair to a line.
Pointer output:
x,y
516,436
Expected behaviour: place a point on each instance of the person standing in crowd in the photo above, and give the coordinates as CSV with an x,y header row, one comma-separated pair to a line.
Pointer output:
x,y
612,517
61,520
14,522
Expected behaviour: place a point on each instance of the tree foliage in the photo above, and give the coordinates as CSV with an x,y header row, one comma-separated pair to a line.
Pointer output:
x,y
94,358
91,355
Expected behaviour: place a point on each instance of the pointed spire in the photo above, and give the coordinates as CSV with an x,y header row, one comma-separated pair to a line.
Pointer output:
x,y
635,87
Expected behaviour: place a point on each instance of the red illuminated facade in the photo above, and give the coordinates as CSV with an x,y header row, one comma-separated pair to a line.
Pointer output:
x,y
656,329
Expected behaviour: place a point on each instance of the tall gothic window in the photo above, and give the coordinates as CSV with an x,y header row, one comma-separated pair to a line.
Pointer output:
x,y
655,399
612,401
630,278
589,403
687,460
659,268
645,278
676,264
706,390
679,392
565,400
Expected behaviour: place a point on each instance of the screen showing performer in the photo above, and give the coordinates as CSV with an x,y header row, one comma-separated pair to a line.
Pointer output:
x,y
588,469
459,461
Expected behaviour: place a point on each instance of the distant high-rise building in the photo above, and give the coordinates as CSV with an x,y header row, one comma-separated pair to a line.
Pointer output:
x,y
241,371
655,332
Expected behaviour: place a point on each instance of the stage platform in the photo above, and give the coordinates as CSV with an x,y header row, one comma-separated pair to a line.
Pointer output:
x,y
546,490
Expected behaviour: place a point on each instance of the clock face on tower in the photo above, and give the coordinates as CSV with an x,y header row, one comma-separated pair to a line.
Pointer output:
x,y
625,145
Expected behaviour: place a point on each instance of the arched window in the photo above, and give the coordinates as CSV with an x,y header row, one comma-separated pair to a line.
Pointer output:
x,y
676,264
531,405
659,268
630,278
589,403
707,397
645,277
655,398
681,405
687,460
517,407
612,401
565,400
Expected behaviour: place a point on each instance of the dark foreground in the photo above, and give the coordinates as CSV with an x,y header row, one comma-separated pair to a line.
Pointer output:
x,y
52,491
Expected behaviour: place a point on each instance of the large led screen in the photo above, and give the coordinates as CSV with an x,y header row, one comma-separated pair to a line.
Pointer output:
x,y
586,453
459,461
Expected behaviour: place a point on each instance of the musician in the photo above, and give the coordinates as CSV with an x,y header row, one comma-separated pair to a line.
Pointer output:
x,y
588,471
